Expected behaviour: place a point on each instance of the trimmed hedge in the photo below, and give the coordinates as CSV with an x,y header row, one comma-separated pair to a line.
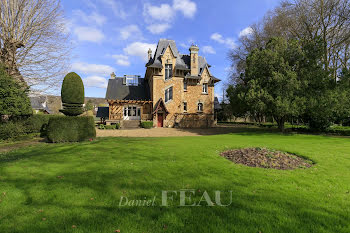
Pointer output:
x,y
71,129
147,124
11,130
72,91
72,95
34,124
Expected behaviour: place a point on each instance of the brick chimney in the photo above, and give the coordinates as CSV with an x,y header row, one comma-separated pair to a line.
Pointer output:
x,y
194,59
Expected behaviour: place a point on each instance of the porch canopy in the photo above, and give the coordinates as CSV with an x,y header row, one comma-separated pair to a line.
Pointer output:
x,y
160,106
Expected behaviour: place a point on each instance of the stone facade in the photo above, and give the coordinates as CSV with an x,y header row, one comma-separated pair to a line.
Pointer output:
x,y
194,94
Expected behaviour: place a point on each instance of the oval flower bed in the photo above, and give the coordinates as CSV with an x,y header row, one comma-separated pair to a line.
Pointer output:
x,y
266,158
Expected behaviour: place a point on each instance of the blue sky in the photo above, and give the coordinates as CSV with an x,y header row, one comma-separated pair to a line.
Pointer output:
x,y
114,35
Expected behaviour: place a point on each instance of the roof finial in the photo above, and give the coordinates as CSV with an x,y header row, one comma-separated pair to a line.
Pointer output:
x,y
149,54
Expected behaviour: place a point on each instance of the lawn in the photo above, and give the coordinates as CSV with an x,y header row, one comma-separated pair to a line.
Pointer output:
x,y
77,187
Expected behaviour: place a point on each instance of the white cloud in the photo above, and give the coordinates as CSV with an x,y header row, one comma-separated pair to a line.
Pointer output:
x,y
93,18
158,28
130,31
92,69
164,12
121,60
95,81
246,32
217,37
208,49
139,49
229,42
89,34
160,17
116,7
187,7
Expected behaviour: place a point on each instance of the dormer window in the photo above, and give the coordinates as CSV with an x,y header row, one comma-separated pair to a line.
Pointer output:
x,y
168,71
131,80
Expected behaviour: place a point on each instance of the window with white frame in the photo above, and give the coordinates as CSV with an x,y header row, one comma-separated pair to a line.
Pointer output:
x,y
132,111
168,94
200,107
185,106
205,88
185,86
168,71
131,80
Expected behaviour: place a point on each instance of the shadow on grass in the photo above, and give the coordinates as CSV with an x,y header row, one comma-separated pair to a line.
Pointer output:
x,y
249,212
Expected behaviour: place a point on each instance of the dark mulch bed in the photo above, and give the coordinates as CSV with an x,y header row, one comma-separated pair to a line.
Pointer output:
x,y
266,158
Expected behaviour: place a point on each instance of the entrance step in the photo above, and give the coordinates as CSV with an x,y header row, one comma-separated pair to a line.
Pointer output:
x,y
131,124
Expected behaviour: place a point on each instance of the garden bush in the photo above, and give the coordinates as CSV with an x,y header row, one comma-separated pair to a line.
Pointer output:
x,y
36,123
70,129
147,124
11,130
101,126
114,126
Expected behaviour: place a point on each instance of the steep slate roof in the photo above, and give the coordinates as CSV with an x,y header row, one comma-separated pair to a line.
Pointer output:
x,y
39,103
116,90
183,61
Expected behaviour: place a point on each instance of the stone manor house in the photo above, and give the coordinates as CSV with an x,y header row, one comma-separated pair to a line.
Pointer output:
x,y
177,91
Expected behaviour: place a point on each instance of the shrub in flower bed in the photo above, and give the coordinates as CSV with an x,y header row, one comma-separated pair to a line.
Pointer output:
x,y
114,126
147,124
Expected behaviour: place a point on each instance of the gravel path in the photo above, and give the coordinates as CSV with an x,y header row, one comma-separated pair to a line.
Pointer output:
x,y
170,132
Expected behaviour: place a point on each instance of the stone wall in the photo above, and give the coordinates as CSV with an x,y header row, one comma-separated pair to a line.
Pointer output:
x,y
195,120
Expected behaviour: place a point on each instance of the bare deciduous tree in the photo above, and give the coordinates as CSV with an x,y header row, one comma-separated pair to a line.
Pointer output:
x,y
34,45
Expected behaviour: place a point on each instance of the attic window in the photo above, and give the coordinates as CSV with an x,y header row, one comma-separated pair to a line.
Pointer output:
x,y
131,80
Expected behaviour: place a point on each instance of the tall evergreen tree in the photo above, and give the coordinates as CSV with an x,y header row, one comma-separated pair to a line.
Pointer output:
x,y
14,101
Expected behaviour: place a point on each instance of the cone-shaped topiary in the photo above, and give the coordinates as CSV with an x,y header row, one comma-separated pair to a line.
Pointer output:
x,y
72,95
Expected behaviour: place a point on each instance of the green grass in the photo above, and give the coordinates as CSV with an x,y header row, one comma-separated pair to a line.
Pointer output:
x,y
57,181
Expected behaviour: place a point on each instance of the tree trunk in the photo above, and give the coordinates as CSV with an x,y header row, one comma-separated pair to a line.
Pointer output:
x,y
280,123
